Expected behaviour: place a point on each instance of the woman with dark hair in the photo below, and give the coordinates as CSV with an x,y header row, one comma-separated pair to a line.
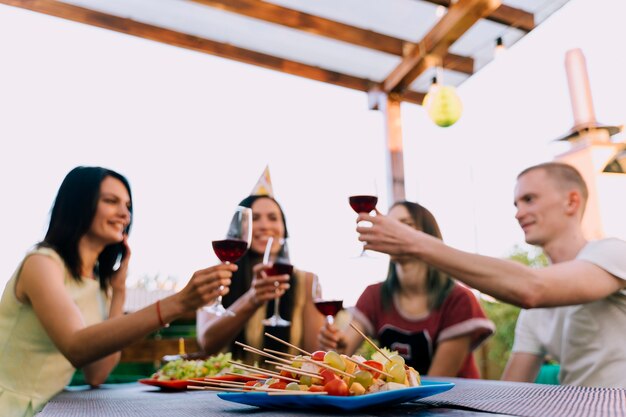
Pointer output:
x,y
418,311
62,308
252,294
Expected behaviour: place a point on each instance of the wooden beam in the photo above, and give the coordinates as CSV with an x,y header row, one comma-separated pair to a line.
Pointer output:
x,y
460,17
516,18
320,26
183,40
506,15
309,23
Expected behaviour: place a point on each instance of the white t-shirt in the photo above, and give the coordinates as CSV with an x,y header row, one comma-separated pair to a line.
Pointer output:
x,y
588,340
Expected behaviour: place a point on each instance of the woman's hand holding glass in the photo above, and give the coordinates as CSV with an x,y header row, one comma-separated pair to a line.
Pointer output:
x,y
231,249
205,286
263,287
331,338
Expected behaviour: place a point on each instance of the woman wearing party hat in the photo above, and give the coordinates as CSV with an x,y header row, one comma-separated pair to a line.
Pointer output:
x,y
263,279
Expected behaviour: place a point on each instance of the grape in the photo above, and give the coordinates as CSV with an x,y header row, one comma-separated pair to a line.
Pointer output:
x,y
364,378
293,386
297,362
335,360
397,373
397,359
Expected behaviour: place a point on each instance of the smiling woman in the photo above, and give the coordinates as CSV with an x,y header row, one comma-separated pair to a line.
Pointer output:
x,y
62,309
255,289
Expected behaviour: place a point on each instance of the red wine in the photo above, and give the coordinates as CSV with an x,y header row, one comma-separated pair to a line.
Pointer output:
x,y
279,268
230,250
363,203
329,308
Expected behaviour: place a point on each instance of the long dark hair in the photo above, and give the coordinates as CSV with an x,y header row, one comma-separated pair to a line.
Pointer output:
x,y
438,284
71,217
242,279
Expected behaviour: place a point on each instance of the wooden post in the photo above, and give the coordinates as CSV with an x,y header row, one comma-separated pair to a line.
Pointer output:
x,y
390,107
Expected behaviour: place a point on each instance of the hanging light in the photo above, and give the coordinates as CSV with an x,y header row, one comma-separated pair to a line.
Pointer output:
x,y
442,104
500,48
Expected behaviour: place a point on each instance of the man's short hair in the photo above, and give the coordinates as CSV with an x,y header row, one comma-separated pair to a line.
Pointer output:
x,y
564,175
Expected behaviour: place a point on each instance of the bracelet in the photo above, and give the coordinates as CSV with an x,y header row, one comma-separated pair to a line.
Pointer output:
x,y
158,308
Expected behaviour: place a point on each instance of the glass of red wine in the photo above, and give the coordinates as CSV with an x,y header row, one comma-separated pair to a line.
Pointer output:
x,y
232,248
364,202
280,266
329,308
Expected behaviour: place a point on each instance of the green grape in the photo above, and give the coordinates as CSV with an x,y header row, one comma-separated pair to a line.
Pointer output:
x,y
306,380
335,360
293,386
397,373
397,359
364,378
297,361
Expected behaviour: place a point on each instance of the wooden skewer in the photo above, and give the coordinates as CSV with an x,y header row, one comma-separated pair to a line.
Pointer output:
x,y
287,343
274,375
221,384
252,349
323,365
267,355
364,365
277,375
210,379
289,355
265,372
203,388
299,372
369,340
292,392
317,377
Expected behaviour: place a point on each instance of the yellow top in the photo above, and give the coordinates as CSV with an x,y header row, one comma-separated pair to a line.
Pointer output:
x,y
32,370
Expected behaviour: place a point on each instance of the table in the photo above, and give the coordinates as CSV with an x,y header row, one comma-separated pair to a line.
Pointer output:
x,y
470,398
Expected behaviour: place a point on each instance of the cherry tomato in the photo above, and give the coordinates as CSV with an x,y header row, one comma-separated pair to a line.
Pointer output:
x,y
328,375
279,385
316,388
373,364
318,355
249,384
337,387
286,373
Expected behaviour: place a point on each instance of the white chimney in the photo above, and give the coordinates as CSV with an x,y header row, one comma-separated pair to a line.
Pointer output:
x,y
592,152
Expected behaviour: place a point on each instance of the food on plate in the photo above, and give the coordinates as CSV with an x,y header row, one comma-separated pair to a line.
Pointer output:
x,y
340,375
181,369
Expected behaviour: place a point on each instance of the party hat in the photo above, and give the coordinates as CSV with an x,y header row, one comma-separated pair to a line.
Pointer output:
x,y
264,185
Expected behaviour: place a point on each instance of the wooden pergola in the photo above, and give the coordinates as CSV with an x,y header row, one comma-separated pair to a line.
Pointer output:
x,y
392,63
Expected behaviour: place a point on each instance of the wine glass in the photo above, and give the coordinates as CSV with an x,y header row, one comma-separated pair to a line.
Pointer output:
x,y
364,201
329,308
232,248
281,266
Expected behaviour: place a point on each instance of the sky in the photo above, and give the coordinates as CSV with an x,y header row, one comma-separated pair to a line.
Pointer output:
x,y
193,132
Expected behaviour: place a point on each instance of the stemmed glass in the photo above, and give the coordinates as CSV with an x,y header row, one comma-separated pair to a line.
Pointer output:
x,y
281,266
364,202
232,248
329,308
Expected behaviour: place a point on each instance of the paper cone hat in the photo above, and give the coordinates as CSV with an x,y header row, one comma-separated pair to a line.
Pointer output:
x,y
264,185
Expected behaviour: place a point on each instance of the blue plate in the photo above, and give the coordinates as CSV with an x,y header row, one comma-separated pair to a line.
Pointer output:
x,y
262,399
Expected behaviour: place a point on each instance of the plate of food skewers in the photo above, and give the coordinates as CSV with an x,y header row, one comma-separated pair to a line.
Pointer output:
x,y
324,380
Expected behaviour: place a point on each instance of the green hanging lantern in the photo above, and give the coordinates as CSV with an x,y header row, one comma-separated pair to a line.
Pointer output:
x,y
443,105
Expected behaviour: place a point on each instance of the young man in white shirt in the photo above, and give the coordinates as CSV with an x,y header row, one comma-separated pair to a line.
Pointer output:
x,y
577,304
